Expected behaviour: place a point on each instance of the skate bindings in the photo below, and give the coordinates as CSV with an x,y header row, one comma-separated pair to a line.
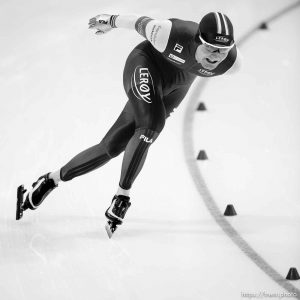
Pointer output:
x,y
40,190
116,213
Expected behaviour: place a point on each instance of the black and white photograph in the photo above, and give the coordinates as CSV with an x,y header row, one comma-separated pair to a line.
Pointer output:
x,y
150,150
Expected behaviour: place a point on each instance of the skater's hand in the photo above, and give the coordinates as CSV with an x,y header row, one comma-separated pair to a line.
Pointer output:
x,y
101,23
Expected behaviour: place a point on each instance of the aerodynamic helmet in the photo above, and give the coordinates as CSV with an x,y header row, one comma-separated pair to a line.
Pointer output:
x,y
216,29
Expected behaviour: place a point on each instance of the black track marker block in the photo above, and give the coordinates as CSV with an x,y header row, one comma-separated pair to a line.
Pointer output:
x,y
202,155
293,274
201,107
263,26
230,211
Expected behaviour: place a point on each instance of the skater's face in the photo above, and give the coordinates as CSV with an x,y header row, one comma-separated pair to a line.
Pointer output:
x,y
209,56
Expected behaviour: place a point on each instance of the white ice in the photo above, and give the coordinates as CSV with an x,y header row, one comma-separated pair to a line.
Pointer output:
x,y
60,91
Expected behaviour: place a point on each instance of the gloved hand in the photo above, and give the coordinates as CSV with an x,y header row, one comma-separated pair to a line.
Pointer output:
x,y
102,23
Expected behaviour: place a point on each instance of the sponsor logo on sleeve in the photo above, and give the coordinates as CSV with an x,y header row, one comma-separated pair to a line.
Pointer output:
x,y
142,84
154,32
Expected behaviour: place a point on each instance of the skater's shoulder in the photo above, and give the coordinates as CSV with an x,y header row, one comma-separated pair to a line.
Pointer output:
x,y
184,27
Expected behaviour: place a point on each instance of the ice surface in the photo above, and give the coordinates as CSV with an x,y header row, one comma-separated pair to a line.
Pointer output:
x,y
61,89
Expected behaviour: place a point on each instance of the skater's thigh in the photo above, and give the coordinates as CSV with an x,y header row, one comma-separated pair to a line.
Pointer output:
x,y
174,99
121,131
143,86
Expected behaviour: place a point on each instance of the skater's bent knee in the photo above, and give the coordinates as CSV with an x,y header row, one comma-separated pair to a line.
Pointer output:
x,y
114,149
154,124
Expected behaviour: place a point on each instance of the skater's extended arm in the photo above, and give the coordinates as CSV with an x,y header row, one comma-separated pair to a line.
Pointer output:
x,y
155,31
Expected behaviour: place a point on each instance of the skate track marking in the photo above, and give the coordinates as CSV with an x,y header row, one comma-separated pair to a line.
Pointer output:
x,y
190,157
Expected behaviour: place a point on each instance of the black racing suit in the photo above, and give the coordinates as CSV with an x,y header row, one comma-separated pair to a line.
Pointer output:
x,y
155,84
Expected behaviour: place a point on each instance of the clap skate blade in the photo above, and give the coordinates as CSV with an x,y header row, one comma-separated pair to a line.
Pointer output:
x,y
110,228
20,200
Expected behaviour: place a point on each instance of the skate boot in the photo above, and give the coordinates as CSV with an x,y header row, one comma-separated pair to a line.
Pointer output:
x,y
40,190
116,213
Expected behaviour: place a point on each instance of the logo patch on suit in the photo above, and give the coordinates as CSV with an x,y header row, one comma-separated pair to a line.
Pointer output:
x,y
142,84
205,72
176,59
178,48
146,139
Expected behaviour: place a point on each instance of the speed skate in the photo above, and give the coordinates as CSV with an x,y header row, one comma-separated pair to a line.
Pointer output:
x,y
116,213
110,228
20,201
